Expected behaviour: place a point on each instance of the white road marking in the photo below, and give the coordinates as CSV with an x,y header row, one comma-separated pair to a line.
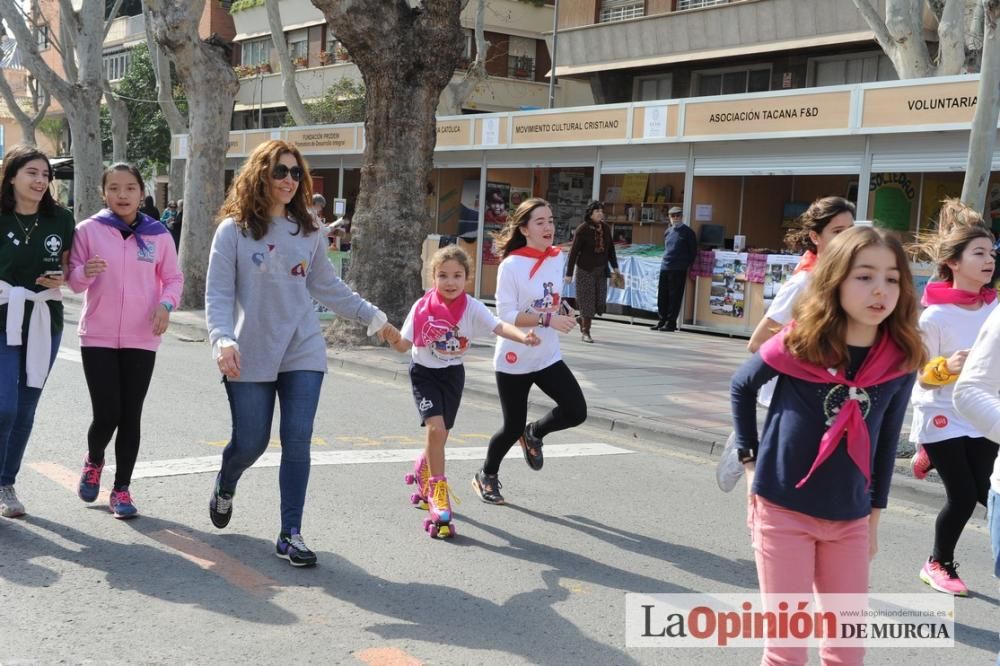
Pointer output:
x,y
206,464
68,354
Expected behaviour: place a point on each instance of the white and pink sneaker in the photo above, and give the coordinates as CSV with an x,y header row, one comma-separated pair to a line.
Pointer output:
x,y
943,577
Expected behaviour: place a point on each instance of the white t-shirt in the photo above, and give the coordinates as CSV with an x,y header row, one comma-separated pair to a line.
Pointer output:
x,y
784,301
946,329
517,293
449,345
977,391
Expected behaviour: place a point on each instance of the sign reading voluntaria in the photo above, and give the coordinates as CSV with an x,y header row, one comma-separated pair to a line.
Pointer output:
x,y
924,104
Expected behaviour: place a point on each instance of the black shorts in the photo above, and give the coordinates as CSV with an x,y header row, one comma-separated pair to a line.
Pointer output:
x,y
437,391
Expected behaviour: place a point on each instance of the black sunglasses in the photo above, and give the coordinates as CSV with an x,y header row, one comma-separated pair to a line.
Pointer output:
x,y
280,171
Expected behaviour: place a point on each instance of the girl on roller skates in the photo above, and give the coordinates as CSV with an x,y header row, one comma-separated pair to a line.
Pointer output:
x,y
958,305
820,473
437,332
527,283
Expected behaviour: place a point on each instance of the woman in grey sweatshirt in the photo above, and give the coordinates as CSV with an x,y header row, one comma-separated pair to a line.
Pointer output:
x,y
268,263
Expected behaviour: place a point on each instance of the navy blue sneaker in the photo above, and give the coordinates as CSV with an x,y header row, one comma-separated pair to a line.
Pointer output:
x,y
220,506
90,480
121,504
291,547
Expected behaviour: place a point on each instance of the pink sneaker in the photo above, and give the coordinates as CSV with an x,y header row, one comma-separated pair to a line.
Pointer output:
x,y
420,476
121,504
921,464
943,577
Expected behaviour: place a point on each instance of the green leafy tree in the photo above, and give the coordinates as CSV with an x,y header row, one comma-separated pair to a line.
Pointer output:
x,y
149,135
343,102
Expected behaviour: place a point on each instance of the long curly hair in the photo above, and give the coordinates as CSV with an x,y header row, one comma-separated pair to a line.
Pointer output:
x,y
509,239
820,332
958,225
249,200
819,214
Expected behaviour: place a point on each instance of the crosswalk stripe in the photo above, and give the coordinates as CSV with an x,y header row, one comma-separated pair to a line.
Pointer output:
x,y
67,354
205,464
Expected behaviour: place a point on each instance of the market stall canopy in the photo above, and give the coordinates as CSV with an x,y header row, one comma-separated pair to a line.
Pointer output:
x,y
62,168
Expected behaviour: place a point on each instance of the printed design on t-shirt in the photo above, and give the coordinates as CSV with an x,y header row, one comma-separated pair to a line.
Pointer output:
x,y
549,302
444,341
510,357
147,254
941,421
424,404
301,269
53,243
838,396
260,259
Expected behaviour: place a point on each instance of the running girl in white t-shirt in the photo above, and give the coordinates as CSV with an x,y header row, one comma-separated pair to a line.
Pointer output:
x,y
958,306
437,332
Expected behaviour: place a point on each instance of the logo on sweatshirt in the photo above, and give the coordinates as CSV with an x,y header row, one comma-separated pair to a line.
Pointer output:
x,y
839,396
53,243
941,421
148,254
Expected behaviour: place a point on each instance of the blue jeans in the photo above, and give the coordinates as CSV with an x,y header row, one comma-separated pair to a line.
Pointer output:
x,y
993,517
252,407
17,406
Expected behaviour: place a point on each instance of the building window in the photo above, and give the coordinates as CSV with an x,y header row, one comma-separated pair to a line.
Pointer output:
x,y
731,81
116,64
521,58
298,44
619,10
42,37
859,68
696,4
470,48
649,88
256,52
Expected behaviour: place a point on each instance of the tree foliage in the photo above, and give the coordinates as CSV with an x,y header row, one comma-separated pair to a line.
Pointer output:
x,y
148,135
343,102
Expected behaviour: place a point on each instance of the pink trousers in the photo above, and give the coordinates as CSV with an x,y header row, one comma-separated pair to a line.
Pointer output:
x,y
797,553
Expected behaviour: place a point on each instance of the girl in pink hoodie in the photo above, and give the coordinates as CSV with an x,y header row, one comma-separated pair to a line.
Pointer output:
x,y
126,263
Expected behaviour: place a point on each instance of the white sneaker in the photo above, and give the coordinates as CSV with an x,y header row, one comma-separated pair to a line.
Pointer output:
x,y
10,506
730,469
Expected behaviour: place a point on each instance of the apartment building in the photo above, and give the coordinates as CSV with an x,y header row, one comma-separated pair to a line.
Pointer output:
x,y
638,50
517,60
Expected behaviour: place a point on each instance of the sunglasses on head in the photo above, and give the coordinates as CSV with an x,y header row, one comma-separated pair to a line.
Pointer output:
x,y
280,171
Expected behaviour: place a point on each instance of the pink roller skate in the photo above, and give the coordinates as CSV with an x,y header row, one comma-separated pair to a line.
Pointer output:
x,y
438,523
419,476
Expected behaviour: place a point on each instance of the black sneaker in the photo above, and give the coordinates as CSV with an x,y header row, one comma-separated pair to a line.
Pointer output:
x,y
291,547
532,447
220,507
488,486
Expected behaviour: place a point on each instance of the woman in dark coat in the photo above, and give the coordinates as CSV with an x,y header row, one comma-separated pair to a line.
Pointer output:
x,y
590,255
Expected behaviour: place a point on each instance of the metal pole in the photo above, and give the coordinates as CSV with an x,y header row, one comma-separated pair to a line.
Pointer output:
x,y
260,106
555,50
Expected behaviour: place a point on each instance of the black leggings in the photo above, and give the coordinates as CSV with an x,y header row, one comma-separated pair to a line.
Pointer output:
x,y
557,382
117,380
964,464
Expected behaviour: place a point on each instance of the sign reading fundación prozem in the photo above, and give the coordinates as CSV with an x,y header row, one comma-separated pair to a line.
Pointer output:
x,y
325,139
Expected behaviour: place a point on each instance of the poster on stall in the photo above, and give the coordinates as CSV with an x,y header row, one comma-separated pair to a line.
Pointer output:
x,y
779,269
728,283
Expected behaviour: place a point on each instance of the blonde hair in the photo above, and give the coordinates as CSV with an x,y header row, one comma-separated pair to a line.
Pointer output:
x,y
249,200
509,238
820,332
451,253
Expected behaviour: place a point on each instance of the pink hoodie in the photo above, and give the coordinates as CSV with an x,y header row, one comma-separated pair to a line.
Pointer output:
x,y
119,304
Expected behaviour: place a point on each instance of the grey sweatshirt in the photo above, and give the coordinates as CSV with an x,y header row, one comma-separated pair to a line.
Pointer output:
x,y
260,294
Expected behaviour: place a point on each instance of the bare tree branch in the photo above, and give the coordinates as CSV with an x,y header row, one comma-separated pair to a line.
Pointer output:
x,y
951,37
291,92
176,121
458,91
69,33
878,26
111,17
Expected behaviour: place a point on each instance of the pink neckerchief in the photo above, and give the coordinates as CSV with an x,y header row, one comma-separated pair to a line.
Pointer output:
x,y
540,255
943,293
883,363
807,262
442,316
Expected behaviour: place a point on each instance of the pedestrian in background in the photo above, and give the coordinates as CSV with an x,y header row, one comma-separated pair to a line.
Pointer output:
x,y
36,235
527,296
680,247
126,264
149,208
958,304
268,262
819,475
590,255
169,214
437,332
175,230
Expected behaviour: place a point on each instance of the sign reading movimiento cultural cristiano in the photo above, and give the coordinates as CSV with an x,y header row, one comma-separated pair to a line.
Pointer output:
x,y
777,113
580,126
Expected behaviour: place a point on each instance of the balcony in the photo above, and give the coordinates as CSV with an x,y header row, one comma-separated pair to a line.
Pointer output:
x,y
710,31
126,29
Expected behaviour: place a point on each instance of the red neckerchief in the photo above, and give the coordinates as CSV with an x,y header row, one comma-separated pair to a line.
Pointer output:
x,y
540,255
442,316
943,293
883,363
807,262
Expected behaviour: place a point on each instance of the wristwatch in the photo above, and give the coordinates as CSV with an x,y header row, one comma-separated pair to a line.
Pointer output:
x,y
746,455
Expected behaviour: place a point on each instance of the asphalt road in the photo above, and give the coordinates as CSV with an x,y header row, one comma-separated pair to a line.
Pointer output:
x,y
541,580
